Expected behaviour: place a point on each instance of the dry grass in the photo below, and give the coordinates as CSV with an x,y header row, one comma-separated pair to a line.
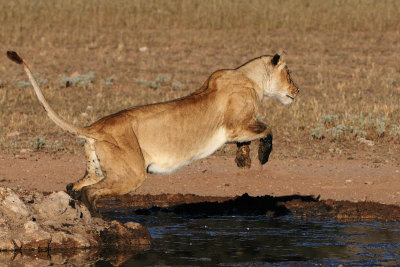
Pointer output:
x,y
344,55
68,19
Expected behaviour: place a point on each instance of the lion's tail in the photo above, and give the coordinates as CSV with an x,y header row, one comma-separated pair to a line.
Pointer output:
x,y
50,112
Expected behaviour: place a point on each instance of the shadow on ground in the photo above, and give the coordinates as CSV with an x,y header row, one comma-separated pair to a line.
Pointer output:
x,y
296,205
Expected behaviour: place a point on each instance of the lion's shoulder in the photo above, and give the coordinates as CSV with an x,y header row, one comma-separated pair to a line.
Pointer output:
x,y
224,79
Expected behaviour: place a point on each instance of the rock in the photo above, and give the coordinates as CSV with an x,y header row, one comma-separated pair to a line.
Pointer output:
x,y
61,207
31,227
63,240
6,243
17,244
34,237
11,206
6,257
133,225
31,222
122,237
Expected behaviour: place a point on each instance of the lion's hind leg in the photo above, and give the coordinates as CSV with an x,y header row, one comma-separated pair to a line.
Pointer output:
x,y
124,170
93,172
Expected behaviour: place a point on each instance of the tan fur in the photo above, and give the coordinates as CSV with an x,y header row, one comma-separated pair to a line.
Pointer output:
x,y
162,137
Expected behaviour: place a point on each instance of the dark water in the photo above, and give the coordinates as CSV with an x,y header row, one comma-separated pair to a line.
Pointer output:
x,y
264,241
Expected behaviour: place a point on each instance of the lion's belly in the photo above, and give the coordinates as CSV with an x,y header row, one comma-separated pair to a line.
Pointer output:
x,y
167,163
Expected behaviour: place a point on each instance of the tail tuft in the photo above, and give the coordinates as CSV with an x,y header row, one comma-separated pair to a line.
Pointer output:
x,y
14,57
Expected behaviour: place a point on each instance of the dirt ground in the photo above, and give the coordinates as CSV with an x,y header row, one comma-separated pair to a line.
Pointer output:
x,y
218,175
340,140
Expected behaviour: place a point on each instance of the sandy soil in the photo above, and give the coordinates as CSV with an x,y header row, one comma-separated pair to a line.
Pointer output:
x,y
353,180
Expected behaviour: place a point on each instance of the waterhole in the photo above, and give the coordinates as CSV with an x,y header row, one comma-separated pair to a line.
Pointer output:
x,y
264,241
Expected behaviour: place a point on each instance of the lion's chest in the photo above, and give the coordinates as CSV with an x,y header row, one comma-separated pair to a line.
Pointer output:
x,y
170,162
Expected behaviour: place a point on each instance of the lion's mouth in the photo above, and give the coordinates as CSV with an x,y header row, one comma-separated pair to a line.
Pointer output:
x,y
291,97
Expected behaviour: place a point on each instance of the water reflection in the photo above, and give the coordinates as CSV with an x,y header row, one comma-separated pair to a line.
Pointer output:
x,y
233,240
77,257
239,241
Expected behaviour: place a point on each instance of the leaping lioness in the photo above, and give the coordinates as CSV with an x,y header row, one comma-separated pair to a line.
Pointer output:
x,y
160,138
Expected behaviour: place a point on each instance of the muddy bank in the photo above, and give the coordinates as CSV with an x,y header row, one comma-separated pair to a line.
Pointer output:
x,y
296,205
338,179
32,222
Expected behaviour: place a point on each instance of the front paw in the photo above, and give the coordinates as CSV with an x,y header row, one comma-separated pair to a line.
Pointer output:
x,y
243,156
265,149
73,193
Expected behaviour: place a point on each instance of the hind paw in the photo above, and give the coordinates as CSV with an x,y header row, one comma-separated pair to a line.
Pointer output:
x,y
73,193
90,203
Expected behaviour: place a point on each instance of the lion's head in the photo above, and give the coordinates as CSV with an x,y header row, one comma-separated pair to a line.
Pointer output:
x,y
272,76
280,84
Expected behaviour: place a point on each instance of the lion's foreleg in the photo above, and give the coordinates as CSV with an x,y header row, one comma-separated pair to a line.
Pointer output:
x,y
256,129
243,159
265,135
265,148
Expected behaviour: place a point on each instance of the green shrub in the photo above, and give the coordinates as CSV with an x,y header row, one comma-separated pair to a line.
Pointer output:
x,y
161,80
351,126
109,81
83,80
40,143
39,80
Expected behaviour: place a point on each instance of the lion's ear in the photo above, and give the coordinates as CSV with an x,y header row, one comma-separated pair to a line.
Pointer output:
x,y
275,59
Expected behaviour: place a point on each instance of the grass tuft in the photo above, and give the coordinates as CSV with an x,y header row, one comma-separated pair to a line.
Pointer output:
x,y
82,80
351,127
40,143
